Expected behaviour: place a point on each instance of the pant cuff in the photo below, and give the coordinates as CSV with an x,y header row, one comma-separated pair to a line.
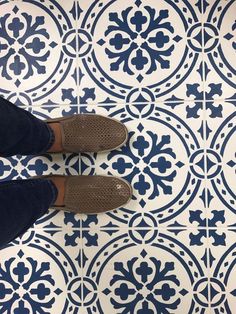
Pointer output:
x,y
51,139
54,191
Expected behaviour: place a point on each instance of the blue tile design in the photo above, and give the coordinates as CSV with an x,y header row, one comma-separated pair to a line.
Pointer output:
x,y
30,50
219,49
166,180
126,281
166,69
124,47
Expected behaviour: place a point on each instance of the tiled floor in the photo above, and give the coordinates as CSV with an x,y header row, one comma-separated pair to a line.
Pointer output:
x,y
167,70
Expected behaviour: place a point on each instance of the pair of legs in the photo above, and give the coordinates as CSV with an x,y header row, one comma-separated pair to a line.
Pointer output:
x,y
23,201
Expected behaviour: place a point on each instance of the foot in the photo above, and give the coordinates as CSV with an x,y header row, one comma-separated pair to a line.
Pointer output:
x,y
60,184
57,145
87,133
91,194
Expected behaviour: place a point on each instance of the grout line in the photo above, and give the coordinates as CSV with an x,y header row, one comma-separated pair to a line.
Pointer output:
x,y
205,164
79,111
142,102
126,103
156,228
160,102
79,105
102,228
187,228
113,103
77,57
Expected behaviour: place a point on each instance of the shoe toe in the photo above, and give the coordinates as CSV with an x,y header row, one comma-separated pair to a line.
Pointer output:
x,y
96,194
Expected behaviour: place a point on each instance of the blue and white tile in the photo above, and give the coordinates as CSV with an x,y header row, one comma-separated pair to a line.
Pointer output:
x,y
220,205
140,52
220,49
42,272
165,274
162,160
38,52
181,220
221,164
222,273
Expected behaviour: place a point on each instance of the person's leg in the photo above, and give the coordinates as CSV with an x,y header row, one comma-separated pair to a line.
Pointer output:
x,y
22,202
24,134
21,132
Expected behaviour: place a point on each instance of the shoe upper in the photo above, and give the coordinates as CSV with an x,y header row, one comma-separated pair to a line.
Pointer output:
x,y
94,194
92,133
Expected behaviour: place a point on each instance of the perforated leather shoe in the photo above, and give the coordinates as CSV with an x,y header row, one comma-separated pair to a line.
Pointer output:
x,y
90,133
93,194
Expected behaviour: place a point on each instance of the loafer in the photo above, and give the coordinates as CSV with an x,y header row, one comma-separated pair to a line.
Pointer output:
x,y
93,194
90,133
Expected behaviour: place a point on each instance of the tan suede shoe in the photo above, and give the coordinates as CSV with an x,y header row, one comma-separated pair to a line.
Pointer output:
x,y
91,133
93,194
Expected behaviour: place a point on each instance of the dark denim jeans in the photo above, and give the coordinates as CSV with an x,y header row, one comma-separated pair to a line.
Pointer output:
x,y
22,201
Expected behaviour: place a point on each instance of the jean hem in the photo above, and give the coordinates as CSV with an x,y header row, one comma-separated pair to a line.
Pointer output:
x,y
51,139
54,191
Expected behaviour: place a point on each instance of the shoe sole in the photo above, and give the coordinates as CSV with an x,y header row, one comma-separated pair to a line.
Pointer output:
x,y
68,177
102,151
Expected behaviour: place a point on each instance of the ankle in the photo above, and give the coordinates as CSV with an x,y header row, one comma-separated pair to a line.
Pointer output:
x,y
57,145
60,185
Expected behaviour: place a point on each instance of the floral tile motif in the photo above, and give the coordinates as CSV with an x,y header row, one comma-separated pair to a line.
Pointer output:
x,y
140,52
162,160
164,275
221,165
38,51
220,207
42,273
219,49
222,274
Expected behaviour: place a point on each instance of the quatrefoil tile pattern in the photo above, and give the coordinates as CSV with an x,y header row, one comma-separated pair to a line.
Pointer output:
x,y
167,70
38,51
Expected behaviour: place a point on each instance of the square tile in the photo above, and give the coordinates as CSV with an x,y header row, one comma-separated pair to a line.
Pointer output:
x,y
221,165
219,49
141,52
164,274
38,52
223,272
162,162
43,270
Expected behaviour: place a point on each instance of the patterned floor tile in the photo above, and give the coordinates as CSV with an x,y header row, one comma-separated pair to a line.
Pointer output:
x,y
161,160
166,69
143,271
220,48
221,166
220,204
41,273
38,52
223,272
141,51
